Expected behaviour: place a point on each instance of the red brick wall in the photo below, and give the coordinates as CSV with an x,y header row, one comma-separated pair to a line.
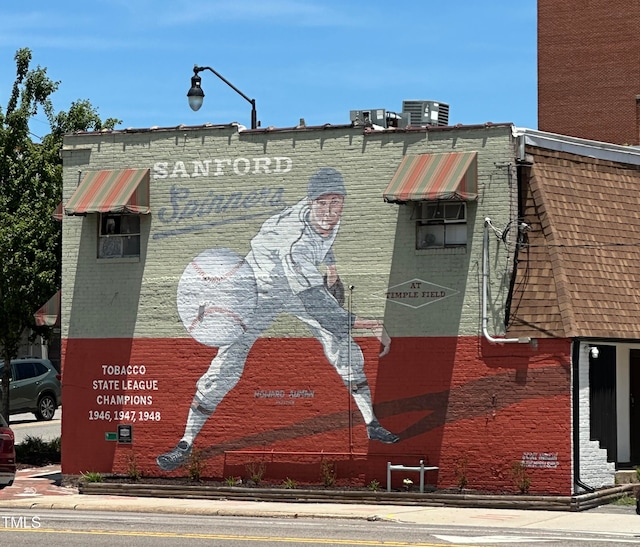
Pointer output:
x,y
589,69
467,406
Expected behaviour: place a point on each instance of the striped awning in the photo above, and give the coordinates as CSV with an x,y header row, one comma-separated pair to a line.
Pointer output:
x,y
453,175
58,212
118,191
49,314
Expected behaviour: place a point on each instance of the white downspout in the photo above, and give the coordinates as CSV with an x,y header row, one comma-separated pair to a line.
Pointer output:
x,y
485,283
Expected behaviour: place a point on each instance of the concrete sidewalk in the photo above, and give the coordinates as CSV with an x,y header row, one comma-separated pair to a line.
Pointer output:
x,y
38,490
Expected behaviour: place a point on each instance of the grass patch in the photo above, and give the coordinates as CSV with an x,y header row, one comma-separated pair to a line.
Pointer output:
x,y
627,499
92,476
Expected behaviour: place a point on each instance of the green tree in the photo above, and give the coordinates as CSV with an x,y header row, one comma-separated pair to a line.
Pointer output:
x,y
30,190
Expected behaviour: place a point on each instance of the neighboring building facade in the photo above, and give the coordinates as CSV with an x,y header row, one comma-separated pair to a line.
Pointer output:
x,y
589,69
181,241
578,278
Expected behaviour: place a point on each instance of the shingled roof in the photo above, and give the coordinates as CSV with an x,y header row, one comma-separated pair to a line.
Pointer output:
x,y
578,271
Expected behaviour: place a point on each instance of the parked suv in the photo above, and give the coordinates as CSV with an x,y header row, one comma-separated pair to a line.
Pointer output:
x,y
35,387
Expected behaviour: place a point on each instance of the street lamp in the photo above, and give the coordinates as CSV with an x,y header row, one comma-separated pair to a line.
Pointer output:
x,y
196,95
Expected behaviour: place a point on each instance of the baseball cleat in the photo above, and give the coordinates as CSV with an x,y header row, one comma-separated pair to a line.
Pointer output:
x,y
175,457
376,432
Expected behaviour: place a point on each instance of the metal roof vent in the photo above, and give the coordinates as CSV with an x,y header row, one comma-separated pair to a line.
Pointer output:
x,y
426,112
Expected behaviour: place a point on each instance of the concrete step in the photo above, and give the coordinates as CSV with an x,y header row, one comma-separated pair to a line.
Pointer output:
x,y
627,476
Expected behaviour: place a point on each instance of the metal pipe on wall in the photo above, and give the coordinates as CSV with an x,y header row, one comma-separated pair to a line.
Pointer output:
x,y
485,285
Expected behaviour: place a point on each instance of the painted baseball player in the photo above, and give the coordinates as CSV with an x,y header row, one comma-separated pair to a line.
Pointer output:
x,y
286,256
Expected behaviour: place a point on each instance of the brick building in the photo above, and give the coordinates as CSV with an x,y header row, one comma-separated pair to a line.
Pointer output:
x,y
589,69
190,250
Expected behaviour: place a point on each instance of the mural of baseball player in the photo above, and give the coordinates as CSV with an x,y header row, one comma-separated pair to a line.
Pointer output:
x,y
295,272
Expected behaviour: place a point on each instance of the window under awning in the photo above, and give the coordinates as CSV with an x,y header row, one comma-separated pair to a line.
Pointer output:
x,y
111,191
49,314
453,175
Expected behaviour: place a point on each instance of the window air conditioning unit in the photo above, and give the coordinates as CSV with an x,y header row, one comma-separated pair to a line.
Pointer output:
x,y
380,117
426,112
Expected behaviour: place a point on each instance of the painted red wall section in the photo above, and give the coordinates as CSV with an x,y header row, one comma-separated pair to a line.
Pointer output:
x,y
471,408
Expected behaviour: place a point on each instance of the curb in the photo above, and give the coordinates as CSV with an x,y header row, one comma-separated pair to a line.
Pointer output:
x,y
128,507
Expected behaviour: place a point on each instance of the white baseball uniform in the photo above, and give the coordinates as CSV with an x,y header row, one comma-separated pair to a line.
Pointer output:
x,y
286,255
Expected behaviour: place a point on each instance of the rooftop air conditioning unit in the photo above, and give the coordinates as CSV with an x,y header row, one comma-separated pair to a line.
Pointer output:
x,y
375,116
426,112
380,117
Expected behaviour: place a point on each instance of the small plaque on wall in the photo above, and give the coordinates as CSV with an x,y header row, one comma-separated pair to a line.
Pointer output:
x,y
125,433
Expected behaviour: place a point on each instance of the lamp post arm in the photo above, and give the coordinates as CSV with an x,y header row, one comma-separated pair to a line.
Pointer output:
x,y
254,117
197,69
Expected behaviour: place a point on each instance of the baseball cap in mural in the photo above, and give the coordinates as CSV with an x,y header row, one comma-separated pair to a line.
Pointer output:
x,y
326,181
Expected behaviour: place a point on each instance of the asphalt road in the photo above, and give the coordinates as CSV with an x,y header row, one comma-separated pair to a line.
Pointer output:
x,y
79,528
25,425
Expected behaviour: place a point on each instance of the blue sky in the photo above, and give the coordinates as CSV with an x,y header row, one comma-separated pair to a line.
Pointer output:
x,y
311,59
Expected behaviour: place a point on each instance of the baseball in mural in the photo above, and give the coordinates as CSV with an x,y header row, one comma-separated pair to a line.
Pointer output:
x,y
296,273
217,296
